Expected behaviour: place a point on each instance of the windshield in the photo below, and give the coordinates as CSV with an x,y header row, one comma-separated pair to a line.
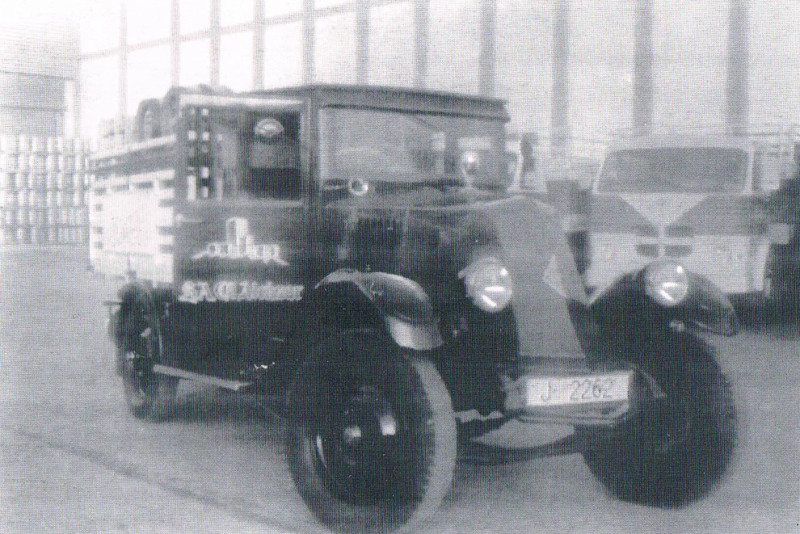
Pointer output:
x,y
408,149
674,170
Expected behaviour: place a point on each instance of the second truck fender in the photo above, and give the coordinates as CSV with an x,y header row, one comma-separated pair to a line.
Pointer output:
x,y
705,307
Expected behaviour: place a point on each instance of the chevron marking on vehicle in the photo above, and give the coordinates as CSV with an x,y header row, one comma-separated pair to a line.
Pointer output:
x,y
663,209
552,277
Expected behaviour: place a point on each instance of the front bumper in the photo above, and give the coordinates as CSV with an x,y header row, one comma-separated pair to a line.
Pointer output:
x,y
577,404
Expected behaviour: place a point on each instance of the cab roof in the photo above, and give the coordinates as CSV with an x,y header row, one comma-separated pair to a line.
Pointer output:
x,y
394,98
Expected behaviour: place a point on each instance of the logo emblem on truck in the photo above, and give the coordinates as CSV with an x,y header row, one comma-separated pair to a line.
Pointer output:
x,y
240,245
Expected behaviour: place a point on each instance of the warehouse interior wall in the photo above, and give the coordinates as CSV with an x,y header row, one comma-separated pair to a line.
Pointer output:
x,y
132,50
38,72
43,171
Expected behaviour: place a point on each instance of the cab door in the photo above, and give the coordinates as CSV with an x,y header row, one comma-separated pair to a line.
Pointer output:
x,y
241,230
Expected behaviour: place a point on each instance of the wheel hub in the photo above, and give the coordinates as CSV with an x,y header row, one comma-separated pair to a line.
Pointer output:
x,y
352,436
367,425
358,447
136,380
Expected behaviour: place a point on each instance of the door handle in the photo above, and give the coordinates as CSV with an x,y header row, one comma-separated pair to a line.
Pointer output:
x,y
180,219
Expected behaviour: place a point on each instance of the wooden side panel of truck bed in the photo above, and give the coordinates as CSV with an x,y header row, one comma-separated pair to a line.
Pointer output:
x,y
132,212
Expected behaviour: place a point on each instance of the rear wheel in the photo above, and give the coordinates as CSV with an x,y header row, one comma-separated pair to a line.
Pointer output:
x,y
372,435
147,394
674,452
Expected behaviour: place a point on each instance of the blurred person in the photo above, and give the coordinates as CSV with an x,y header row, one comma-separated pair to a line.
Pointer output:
x,y
530,178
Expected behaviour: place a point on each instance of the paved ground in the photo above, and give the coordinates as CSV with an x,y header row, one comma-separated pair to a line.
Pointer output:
x,y
73,460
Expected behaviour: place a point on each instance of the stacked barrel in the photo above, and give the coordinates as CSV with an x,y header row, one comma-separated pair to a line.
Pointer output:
x,y
44,190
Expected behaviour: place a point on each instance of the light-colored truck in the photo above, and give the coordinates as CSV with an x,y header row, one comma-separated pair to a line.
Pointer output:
x,y
696,198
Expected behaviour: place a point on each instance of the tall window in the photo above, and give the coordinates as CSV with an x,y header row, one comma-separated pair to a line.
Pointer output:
x,y
283,68
335,48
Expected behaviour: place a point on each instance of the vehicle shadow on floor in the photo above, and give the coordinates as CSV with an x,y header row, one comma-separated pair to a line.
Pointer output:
x,y
255,415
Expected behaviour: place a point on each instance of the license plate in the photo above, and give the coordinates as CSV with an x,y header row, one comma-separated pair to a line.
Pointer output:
x,y
552,391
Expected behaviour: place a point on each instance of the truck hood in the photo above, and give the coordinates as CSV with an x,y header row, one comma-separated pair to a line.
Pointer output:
x,y
546,281
431,242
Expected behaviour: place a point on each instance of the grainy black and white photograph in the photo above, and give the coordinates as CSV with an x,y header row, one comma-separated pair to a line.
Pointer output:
x,y
400,266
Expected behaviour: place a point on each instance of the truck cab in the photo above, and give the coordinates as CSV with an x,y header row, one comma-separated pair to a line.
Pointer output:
x,y
241,211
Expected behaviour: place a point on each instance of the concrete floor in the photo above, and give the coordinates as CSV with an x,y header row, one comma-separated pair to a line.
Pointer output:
x,y
73,460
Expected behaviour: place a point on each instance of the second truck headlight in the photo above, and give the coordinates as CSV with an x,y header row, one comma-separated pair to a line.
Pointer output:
x,y
666,282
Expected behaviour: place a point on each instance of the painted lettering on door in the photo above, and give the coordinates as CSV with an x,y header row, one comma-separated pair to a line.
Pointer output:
x,y
238,291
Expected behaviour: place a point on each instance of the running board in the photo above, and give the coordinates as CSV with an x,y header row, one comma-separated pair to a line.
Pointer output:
x,y
234,385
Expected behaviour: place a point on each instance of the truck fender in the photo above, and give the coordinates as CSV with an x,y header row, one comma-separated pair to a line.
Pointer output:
x,y
352,298
708,308
625,304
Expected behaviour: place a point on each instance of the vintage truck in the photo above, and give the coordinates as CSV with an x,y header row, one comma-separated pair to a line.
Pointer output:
x,y
354,251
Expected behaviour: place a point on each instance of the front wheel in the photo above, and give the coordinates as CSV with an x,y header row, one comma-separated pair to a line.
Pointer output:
x,y
674,451
371,442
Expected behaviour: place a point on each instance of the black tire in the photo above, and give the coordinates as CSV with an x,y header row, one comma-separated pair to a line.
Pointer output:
x,y
774,294
371,442
675,452
781,287
148,395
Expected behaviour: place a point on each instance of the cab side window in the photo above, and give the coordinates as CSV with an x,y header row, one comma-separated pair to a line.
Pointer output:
x,y
241,154
273,159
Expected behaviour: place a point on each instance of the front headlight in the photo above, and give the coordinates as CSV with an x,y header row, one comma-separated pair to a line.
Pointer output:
x,y
488,284
666,282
